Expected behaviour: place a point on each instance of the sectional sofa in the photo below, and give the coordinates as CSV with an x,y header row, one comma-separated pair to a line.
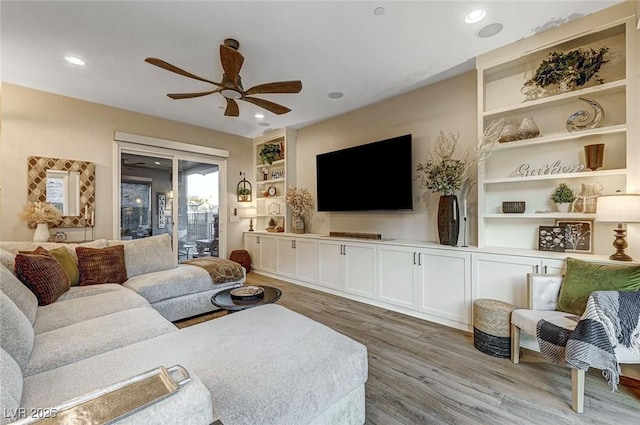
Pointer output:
x,y
265,365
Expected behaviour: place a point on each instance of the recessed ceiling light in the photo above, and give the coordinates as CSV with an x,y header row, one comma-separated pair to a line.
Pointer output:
x,y
490,30
378,11
264,124
259,116
335,95
157,162
475,16
74,60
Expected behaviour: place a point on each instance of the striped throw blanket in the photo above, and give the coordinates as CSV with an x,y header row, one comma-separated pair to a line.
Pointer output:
x,y
611,318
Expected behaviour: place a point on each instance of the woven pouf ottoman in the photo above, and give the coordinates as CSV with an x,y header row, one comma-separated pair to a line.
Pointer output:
x,y
241,257
492,327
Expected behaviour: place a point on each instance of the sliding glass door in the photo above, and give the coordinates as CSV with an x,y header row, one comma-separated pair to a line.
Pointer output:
x,y
163,191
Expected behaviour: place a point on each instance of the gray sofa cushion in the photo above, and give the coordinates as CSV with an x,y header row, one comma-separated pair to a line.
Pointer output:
x,y
11,388
21,296
255,363
7,259
90,337
89,290
147,255
180,281
16,331
79,309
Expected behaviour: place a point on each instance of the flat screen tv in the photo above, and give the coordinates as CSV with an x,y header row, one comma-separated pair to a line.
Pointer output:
x,y
375,176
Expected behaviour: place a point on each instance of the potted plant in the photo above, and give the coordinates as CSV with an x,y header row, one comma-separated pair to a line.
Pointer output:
x,y
243,194
40,215
568,70
270,152
563,196
444,173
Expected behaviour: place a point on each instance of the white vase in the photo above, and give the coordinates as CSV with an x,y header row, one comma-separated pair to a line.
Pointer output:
x,y
42,233
563,208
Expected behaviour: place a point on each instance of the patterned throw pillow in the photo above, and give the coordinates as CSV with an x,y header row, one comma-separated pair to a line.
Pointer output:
x,y
42,274
68,263
104,265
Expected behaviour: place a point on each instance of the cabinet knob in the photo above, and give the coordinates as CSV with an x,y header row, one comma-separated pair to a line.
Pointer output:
x,y
419,258
537,269
258,240
414,258
545,269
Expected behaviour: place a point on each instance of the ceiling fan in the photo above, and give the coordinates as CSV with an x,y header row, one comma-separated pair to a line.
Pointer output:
x,y
231,86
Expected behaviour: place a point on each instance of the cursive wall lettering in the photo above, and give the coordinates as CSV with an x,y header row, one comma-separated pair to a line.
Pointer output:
x,y
525,170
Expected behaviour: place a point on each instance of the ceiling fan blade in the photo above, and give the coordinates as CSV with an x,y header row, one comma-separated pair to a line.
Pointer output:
x,y
167,66
190,95
278,87
268,105
231,61
232,108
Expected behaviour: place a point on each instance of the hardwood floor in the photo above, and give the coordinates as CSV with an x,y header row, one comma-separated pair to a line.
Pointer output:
x,y
425,373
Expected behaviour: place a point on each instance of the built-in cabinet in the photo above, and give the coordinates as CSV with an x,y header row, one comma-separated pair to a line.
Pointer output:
x,y
272,179
347,266
297,258
528,170
427,280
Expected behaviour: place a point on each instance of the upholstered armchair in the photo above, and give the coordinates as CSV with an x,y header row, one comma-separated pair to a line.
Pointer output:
x,y
543,302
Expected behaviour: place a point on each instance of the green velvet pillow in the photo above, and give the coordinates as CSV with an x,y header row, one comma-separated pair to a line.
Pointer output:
x,y
583,277
68,263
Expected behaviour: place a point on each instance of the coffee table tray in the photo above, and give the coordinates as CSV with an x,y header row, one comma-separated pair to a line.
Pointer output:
x,y
106,405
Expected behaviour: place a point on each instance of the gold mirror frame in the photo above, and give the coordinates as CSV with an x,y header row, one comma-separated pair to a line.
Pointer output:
x,y
37,186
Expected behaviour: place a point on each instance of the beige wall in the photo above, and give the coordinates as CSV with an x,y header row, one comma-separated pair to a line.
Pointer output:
x,y
45,124
449,106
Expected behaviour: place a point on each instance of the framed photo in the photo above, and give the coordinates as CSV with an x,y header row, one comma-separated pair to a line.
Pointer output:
x,y
578,235
551,238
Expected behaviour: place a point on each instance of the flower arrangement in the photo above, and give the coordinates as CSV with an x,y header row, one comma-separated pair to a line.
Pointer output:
x,y
35,213
573,68
300,200
443,173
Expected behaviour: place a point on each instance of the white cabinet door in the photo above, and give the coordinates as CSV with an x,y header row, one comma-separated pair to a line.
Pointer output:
x,y
306,251
553,266
359,269
267,252
330,264
253,248
285,256
397,277
445,289
503,277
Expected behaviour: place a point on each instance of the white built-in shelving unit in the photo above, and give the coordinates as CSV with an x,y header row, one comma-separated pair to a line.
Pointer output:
x,y
501,76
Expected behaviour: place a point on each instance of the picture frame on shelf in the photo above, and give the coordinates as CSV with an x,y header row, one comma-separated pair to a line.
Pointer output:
x,y
552,238
578,235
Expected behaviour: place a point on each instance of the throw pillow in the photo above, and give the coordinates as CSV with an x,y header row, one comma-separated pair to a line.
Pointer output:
x,y
584,277
42,274
68,263
101,265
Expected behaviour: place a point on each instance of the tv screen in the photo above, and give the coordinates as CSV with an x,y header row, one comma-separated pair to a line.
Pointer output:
x,y
375,176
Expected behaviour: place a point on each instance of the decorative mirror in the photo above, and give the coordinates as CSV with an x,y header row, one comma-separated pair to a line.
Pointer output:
x,y
67,184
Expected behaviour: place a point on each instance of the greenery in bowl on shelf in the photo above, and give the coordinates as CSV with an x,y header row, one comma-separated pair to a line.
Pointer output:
x,y
563,194
572,69
269,153
244,191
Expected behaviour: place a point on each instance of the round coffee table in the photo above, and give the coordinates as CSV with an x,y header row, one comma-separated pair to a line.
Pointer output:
x,y
224,301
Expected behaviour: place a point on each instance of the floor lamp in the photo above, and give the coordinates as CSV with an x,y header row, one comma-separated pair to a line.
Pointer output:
x,y
619,208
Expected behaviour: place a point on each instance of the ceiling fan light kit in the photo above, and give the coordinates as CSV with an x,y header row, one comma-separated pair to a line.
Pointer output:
x,y
231,85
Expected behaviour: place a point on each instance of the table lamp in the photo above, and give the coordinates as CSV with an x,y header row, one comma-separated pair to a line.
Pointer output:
x,y
619,208
249,213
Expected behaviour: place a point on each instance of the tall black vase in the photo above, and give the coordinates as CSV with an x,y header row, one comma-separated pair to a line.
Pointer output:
x,y
448,220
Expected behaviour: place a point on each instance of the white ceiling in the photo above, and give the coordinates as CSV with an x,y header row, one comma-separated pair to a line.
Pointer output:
x,y
330,46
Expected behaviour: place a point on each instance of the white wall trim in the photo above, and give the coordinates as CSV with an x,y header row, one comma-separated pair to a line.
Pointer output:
x,y
121,136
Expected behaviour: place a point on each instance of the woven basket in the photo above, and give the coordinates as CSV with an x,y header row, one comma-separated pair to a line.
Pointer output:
x,y
513,207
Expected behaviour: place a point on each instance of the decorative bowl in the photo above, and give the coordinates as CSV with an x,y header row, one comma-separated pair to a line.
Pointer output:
x,y
513,207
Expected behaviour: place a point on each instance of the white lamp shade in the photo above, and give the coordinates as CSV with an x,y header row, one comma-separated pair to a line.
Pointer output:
x,y
619,208
248,212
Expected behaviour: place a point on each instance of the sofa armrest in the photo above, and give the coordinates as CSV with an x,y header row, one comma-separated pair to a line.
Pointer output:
x,y
543,291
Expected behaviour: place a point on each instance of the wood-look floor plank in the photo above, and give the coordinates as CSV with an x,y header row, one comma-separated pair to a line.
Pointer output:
x,y
425,373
